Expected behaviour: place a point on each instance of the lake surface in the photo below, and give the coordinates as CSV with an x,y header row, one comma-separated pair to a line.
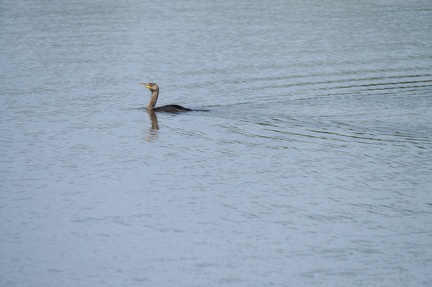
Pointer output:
x,y
313,166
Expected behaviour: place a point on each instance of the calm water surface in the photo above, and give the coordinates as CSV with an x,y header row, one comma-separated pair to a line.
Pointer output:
x,y
313,167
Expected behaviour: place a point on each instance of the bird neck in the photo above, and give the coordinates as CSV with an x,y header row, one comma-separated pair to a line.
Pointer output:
x,y
153,100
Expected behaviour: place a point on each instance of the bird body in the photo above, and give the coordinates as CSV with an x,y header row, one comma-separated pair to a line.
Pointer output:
x,y
171,109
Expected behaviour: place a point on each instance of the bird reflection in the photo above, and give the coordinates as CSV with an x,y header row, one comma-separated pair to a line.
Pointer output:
x,y
153,131
153,119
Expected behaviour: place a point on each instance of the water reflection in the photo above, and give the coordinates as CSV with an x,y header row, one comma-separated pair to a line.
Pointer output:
x,y
153,131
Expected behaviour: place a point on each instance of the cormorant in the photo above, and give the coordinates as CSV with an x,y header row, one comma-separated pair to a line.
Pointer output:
x,y
154,88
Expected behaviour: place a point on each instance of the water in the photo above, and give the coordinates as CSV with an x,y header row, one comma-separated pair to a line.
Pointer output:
x,y
313,167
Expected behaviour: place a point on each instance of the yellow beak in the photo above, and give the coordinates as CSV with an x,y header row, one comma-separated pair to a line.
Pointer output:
x,y
146,85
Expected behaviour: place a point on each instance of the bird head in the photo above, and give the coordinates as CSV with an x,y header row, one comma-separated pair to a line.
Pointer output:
x,y
150,86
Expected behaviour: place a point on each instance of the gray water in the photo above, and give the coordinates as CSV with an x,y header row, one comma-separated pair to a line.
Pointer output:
x,y
313,166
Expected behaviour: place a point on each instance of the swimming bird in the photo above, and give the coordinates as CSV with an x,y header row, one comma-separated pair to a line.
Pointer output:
x,y
154,88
